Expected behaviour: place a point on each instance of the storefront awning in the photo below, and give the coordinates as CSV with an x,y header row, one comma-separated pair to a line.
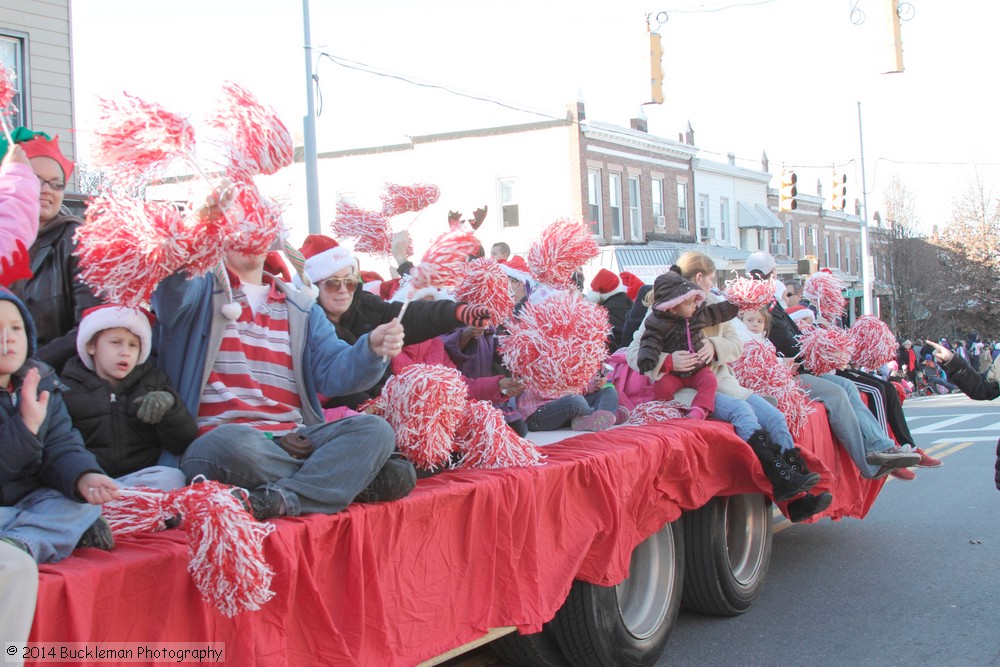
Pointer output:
x,y
755,216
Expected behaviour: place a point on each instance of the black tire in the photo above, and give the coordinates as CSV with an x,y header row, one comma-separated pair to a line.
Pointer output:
x,y
537,650
727,552
628,624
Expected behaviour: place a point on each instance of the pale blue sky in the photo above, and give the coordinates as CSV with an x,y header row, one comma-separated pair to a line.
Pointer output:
x,y
783,76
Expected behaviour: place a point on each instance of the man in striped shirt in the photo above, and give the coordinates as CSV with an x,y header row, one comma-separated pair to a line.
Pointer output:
x,y
251,371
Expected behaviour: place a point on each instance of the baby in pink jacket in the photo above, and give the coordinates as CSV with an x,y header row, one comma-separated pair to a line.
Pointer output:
x,y
19,211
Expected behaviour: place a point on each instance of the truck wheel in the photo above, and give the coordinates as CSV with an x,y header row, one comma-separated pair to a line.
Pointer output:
x,y
537,650
627,624
727,550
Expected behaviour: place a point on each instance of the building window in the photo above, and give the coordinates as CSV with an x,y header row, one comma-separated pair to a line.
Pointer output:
x,y
615,203
724,219
12,52
802,242
508,202
594,202
789,251
682,206
826,250
813,242
634,208
839,266
704,218
657,195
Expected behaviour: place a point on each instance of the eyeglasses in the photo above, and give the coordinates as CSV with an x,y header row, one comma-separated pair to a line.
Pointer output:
x,y
788,295
56,184
333,285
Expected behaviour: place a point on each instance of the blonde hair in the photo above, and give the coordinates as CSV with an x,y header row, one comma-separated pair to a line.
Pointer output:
x,y
693,262
763,312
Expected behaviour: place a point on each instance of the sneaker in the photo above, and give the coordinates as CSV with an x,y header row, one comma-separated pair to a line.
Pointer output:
x,y
598,420
808,505
697,413
394,481
894,457
621,415
98,536
262,503
927,461
903,474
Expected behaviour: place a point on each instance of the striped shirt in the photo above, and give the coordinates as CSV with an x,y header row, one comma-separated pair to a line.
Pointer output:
x,y
251,381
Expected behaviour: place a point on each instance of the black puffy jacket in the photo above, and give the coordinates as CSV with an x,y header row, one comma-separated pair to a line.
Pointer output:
x,y
978,388
54,295
107,418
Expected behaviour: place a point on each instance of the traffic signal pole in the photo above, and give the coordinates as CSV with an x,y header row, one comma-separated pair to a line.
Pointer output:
x,y
866,260
309,131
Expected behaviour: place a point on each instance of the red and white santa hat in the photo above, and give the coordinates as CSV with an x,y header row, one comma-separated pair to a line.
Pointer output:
x,y
605,284
325,257
109,316
515,267
799,313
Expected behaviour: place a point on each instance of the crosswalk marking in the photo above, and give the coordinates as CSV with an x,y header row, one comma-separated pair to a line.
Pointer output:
x,y
939,425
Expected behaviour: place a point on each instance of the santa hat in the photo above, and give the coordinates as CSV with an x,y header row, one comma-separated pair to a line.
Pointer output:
x,y
275,264
798,313
604,285
41,146
325,257
95,320
632,284
671,289
515,267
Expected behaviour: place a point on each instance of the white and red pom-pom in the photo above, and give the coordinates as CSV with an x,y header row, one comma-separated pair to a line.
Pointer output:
x,y
134,136
424,404
204,238
370,229
139,509
7,88
556,345
874,342
562,248
825,349
398,199
825,291
254,220
126,247
486,441
750,293
654,412
445,261
760,370
225,545
486,284
257,141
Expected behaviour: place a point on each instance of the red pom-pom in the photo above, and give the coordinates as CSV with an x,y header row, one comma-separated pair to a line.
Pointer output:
x,y
825,291
750,293
254,221
760,370
370,229
7,88
139,509
445,262
134,136
557,344
258,142
654,412
486,284
486,441
562,248
423,404
825,350
398,199
874,342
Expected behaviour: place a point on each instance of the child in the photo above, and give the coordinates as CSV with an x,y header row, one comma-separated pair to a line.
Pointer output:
x,y
19,210
757,322
47,476
674,323
123,406
596,409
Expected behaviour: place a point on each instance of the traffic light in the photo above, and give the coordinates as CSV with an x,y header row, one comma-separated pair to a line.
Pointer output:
x,y
838,194
786,198
895,41
656,67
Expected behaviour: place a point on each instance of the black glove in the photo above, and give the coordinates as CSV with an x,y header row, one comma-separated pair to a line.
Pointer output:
x,y
154,405
472,315
646,363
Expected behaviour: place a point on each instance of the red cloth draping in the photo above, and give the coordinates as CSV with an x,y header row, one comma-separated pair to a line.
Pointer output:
x,y
397,583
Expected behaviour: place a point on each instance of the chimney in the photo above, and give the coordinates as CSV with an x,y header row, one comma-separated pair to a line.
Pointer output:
x,y
732,158
576,111
763,162
640,122
819,187
689,135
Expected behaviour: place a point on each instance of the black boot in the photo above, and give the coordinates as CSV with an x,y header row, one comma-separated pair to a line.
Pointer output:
x,y
785,479
808,505
794,458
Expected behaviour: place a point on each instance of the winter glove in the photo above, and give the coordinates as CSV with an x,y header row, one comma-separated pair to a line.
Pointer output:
x,y
647,362
154,405
471,315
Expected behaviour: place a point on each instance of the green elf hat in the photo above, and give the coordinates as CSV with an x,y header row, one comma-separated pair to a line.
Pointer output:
x,y
19,135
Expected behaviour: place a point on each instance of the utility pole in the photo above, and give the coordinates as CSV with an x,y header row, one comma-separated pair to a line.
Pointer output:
x,y
309,131
866,260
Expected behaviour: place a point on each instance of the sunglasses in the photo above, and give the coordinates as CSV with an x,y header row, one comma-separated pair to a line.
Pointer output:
x,y
334,284
56,184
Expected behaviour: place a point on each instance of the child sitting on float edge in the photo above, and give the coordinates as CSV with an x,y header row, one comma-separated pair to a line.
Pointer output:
x,y
51,487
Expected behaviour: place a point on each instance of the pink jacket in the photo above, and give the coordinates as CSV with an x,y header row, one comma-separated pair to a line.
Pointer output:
x,y
432,351
19,210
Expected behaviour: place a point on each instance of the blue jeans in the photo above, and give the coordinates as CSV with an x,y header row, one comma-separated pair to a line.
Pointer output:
x,y
844,418
557,414
346,456
753,414
164,478
48,523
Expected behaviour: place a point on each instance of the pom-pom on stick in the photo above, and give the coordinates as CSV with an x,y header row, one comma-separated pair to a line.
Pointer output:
x,y
485,283
258,142
445,261
138,509
750,293
760,370
654,412
825,350
135,136
486,441
556,345
826,293
398,199
370,229
874,342
254,221
562,248
423,404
